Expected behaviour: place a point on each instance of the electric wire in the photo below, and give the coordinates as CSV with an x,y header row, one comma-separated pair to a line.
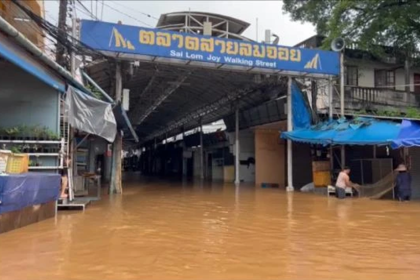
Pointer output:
x,y
90,13
54,32
134,10
127,15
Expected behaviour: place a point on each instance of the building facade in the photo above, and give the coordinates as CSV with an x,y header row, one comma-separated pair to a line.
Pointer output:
x,y
372,83
18,19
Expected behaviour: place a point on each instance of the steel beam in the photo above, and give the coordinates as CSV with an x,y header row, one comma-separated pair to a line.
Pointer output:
x,y
208,109
171,89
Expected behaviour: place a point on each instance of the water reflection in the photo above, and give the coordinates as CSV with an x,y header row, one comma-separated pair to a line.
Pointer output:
x,y
205,231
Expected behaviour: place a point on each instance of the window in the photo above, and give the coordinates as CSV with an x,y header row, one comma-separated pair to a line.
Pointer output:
x,y
385,78
351,74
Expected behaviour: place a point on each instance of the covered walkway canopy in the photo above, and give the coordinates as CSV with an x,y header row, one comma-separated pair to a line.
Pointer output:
x,y
178,80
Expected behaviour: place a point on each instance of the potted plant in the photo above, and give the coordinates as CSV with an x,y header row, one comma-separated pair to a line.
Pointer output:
x,y
34,149
12,132
26,148
37,132
31,133
16,149
24,132
50,135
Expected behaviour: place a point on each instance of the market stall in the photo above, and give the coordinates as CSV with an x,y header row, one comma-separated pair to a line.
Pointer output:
x,y
27,198
375,175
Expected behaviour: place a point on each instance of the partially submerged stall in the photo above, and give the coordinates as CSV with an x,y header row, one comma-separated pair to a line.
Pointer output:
x,y
35,135
375,173
30,124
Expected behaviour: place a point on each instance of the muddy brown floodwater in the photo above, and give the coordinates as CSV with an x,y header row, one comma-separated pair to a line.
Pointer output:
x,y
174,231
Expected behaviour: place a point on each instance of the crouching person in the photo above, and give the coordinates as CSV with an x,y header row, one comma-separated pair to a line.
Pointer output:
x,y
343,182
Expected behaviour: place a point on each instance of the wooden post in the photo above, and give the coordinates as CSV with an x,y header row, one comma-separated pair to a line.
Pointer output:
x,y
116,178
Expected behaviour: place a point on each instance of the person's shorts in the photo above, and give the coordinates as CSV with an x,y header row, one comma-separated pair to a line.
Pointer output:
x,y
63,172
340,192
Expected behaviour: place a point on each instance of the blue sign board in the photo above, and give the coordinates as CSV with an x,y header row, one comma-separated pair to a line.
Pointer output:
x,y
103,36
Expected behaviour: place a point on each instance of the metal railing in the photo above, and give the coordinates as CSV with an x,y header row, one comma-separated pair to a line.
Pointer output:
x,y
358,98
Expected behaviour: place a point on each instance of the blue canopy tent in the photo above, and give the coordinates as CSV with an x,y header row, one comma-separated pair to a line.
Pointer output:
x,y
359,131
408,136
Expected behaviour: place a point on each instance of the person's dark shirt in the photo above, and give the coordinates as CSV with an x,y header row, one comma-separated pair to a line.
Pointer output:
x,y
403,181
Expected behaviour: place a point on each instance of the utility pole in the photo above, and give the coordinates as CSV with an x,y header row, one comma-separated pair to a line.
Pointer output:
x,y
62,33
116,178
73,73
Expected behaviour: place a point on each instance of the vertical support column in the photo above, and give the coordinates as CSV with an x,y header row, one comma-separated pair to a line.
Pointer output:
x,y
407,76
343,151
201,152
184,160
154,160
330,116
290,187
165,156
330,98
116,184
237,150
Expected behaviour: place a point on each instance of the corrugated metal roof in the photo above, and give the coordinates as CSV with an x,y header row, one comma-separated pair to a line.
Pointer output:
x,y
199,93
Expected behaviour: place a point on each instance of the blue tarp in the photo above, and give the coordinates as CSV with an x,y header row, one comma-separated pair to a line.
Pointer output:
x,y
359,131
300,111
22,190
408,136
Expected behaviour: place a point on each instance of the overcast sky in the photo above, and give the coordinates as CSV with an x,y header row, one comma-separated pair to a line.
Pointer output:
x,y
269,14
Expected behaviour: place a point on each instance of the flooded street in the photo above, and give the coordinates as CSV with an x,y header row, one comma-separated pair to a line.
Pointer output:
x,y
174,231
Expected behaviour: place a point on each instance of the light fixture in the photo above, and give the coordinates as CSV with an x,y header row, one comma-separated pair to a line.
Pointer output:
x,y
22,19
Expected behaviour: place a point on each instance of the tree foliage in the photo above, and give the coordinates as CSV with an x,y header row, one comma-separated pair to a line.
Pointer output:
x,y
370,23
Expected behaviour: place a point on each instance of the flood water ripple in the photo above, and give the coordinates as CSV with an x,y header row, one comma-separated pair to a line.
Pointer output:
x,y
185,231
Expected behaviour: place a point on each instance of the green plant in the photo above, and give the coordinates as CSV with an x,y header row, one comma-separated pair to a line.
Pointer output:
x,y
16,149
412,113
37,131
12,131
95,92
24,130
388,113
51,134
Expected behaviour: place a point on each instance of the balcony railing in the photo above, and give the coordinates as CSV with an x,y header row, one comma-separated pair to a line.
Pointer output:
x,y
367,98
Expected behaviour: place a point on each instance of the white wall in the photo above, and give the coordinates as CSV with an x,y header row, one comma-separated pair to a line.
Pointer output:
x,y
367,74
247,150
216,171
